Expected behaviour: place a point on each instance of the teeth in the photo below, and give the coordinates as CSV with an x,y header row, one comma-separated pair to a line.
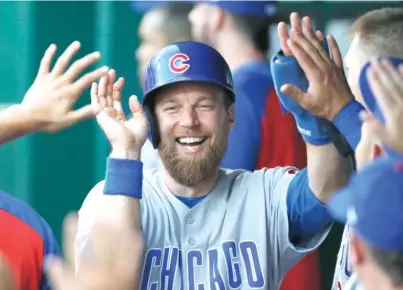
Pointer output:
x,y
190,140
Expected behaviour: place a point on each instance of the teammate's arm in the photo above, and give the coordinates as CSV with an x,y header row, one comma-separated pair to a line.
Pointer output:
x,y
119,203
47,105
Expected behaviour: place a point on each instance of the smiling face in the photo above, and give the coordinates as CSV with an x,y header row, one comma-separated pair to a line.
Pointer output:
x,y
194,121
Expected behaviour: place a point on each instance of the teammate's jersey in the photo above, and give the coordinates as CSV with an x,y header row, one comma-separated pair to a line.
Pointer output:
x,y
343,270
237,237
262,135
26,239
353,283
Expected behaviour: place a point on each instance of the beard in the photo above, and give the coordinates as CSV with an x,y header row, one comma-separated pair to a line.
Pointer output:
x,y
191,170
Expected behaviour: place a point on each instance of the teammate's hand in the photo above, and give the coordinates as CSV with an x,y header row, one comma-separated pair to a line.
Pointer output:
x,y
328,90
386,83
117,265
51,97
124,135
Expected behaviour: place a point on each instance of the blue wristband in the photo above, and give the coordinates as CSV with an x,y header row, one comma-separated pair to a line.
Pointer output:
x,y
124,177
348,122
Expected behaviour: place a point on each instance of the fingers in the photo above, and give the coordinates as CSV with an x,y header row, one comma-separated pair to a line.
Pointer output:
x,y
283,36
85,81
335,51
102,89
94,94
304,60
44,66
109,92
116,98
308,32
295,20
64,60
308,48
381,85
293,92
80,65
135,107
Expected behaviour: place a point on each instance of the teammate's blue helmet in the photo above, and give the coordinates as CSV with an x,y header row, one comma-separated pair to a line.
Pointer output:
x,y
186,61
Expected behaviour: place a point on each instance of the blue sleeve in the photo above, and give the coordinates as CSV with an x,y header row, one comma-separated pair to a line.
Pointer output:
x,y
349,124
51,249
244,138
306,214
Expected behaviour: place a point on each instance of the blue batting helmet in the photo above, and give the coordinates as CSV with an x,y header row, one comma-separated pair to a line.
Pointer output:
x,y
186,61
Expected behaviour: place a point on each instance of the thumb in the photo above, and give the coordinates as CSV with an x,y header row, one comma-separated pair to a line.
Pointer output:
x,y
135,107
293,92
86,112
60,277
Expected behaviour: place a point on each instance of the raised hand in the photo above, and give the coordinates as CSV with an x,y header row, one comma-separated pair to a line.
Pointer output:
x,y
125,136
117,265
386,83
55,91
328,90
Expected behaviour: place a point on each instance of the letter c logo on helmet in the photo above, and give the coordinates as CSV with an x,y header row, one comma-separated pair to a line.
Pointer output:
x,y
177,63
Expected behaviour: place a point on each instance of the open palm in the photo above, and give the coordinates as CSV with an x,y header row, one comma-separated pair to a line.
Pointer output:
x,y
123,134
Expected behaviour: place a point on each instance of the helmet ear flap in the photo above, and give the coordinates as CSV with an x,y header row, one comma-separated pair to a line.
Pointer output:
x,y
153,133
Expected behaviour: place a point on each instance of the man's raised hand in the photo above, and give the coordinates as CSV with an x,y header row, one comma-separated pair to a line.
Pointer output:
x,y
54,91
126,137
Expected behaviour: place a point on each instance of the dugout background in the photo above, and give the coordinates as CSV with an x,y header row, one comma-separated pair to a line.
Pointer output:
x,y
53,173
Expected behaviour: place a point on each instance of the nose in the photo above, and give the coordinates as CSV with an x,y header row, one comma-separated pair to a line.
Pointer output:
x,y
189,118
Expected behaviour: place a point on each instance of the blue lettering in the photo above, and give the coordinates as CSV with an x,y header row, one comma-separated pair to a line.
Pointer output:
x,y
232,260
195,258
153,259
252,264
169,267
215,276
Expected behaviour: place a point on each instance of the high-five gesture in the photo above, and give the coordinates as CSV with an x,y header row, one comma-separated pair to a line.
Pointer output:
x,y
54,91
328,90
386,83
126,137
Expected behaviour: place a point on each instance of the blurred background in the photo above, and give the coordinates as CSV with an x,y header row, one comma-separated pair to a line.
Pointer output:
x,y
53,173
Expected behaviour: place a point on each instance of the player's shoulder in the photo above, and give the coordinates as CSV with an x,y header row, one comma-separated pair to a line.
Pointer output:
x,y
261,175
24,217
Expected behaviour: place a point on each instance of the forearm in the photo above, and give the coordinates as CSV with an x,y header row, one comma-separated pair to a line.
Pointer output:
x,y
16,121
328,171
124,210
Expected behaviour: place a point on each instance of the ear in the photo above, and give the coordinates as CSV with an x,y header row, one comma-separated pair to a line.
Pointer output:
x,y
356,251
218,16
376,151
231,114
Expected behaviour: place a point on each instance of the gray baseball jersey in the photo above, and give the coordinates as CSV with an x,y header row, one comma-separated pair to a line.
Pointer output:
x,y
343,268
235,238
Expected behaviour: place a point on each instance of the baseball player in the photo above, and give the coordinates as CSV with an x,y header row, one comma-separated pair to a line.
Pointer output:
x,y
205,227
26,239
266,137
163,23
371,205
329,95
